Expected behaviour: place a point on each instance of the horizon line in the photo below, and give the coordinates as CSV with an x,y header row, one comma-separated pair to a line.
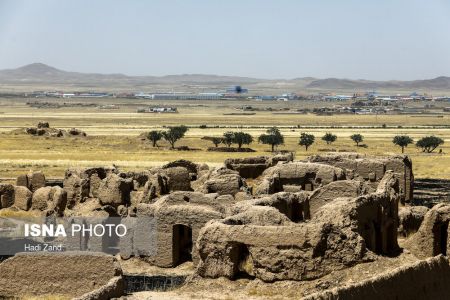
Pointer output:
x,y
220,75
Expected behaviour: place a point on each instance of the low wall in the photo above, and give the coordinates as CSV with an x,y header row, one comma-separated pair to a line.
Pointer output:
x,y
68,274
427,279
114,288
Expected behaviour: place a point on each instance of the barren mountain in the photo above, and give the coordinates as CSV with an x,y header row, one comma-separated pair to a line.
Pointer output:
x,y
335,83
39,75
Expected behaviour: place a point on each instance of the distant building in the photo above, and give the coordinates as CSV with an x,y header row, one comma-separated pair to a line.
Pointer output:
x,y
85,95
265,97
289,96
338,98
237,89
157,110
210,96
180,96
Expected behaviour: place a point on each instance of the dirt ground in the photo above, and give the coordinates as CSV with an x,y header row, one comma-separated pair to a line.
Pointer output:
x,y
255,289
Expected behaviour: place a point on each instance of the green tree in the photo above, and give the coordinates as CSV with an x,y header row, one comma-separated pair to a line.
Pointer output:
x,y
272,137
174,134
402,141
357,138
306,140
228,138
329,138
154,136
429,143
241,138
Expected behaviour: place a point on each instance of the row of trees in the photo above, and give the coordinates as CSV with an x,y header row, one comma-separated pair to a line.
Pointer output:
x,y
330,138
229,138
274,138
427,144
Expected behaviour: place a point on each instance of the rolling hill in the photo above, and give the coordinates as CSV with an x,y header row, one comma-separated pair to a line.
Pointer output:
x,y
39,75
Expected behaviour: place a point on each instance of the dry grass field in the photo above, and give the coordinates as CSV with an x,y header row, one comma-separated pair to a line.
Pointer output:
x,y
113,134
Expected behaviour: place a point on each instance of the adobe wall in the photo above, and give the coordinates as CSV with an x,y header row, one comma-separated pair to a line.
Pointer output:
x,y
191,210
261,240
270,253
297,176
334,190
253,167
306,219
295,206
372,168
432,237
69,274
427,279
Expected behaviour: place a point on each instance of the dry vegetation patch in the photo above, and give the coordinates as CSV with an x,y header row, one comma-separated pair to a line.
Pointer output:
x,y
113,136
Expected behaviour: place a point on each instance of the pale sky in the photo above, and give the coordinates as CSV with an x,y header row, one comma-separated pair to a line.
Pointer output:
x,y
370,39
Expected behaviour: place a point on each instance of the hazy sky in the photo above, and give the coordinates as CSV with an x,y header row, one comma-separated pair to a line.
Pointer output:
x,y
370,39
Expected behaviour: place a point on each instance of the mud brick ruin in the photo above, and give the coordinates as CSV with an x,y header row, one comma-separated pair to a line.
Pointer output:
x,y
298,220
77,274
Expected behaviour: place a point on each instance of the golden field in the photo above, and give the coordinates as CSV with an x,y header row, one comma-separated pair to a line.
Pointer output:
x,y
113,135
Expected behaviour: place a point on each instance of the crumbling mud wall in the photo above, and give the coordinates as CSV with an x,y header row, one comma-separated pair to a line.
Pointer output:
x,y
6,195
69,274
295,206
302,221
410,219
274,252
222,181
428,279
179,217
262,241
373,216
432,237
32,180
83,183
297,176
337,189
372,168
253,167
